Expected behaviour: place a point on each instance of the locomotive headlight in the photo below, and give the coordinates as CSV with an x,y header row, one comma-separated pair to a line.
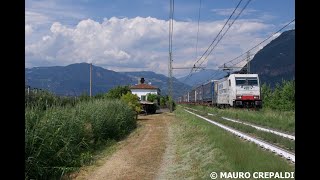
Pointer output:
x,y
256,97
238,97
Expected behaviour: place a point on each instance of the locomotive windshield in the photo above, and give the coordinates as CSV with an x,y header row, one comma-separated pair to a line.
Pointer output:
x,y
252,81
240,82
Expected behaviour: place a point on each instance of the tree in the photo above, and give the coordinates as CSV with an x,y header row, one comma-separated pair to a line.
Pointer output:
x,y
266,95
117,92
171,104
162,102
133,101
288,95
152,97
282,97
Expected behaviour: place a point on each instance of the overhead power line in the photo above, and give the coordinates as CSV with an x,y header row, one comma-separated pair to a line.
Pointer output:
x,y
210,48
259,44
226,31
245,53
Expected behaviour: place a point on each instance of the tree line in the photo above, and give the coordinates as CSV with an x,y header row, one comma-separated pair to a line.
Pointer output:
x,y
282,97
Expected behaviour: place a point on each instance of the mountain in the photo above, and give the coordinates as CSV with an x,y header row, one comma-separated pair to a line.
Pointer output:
x,y
202,77
160,81
276,61
74,79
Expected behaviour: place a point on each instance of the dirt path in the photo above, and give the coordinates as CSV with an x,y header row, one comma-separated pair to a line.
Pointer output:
x,y
140,156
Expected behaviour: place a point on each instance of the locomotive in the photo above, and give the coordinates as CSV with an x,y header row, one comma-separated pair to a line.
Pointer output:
x,y
234,90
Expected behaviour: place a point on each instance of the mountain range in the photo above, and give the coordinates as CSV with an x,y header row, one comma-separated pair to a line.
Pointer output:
x,y
74,79
274,62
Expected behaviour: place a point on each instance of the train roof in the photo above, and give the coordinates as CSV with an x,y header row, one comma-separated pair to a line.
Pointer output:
x,y
244,75
226,77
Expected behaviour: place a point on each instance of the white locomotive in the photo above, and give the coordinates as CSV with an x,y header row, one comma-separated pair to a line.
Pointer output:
x,y
235,90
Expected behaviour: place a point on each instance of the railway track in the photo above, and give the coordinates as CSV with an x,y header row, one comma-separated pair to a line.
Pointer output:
x,y
254,126
265,145
261,128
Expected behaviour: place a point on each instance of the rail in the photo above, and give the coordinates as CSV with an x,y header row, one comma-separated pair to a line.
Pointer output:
x,y
281,152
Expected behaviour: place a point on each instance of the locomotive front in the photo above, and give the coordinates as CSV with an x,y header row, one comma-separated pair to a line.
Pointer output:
x,y
245,91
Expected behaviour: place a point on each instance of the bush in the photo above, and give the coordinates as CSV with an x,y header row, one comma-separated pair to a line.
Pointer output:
x,y
117,92
162,102
153,98
281,98
62,139
171,104
133,102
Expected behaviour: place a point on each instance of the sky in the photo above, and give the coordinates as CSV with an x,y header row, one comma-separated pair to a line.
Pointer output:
x,y
133,35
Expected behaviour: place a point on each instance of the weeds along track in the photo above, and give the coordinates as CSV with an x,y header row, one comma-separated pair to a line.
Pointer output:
x,y
285,135
265,145
261,128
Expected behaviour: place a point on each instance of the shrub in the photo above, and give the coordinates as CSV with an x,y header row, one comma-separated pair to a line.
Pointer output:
x,y
117,92
133,102
62,139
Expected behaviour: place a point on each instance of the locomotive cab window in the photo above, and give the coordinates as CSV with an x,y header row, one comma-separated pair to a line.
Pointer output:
x,y
252,81
240,81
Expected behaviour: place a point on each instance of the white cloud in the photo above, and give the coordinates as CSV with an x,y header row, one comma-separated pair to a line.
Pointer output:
x,y
139,43
36,18
119,55
28,29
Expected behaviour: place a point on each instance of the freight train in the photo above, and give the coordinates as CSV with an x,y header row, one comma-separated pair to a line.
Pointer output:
x,y
234,90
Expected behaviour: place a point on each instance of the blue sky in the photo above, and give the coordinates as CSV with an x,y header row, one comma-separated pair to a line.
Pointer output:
x,y
132,35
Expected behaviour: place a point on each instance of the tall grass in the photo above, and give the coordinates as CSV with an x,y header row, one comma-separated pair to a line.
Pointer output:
x,y
61,139
46,99
281,120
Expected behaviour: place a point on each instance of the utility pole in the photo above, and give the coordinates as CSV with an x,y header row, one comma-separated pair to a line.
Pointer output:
x,y
170,82
248,62
90,79
170,55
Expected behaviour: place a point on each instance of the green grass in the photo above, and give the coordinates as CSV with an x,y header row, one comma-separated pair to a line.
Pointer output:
x,y
201,148
62,139
280,120
266,136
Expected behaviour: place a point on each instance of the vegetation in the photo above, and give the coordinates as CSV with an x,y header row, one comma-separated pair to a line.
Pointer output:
x,y
133,102
201,148
62,134
171,104
45,99
153,97
266,136
281,98
117,92
275,119
162,102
